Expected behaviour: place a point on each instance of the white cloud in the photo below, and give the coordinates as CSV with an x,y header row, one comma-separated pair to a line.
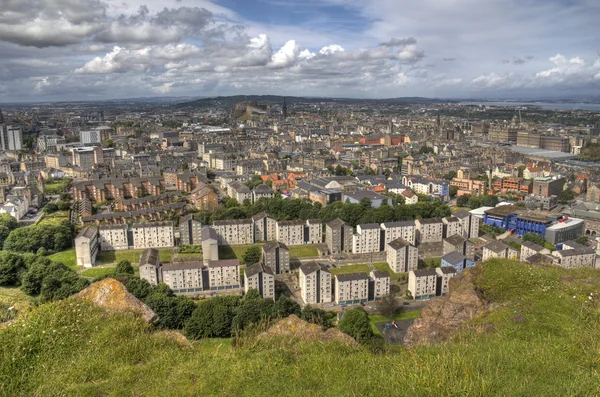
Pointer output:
x,y
286,55
331,49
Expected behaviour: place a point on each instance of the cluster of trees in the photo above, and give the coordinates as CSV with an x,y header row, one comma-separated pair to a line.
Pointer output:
x,y
340,171
566,196
53,237
534,238
485,200
39,276
60,205
353,214
252,255
7,225
355,323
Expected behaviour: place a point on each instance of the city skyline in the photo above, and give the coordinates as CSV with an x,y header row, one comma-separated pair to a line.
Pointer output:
x,y
93,50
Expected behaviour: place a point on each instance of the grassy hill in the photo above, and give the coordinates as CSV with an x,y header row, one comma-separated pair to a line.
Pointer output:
x,y
542,339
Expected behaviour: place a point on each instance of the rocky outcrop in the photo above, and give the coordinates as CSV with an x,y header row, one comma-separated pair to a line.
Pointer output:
x,y
177,337
113,296
442,317
295,327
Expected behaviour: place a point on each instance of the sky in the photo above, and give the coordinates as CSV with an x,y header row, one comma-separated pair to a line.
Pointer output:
x,y
57,50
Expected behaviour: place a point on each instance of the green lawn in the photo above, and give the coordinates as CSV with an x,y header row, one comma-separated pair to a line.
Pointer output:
x,y
15,297
386,267
66,257
433,262
57,187
133,256
234,251
345,269
97,272
302,251
190,256
378,318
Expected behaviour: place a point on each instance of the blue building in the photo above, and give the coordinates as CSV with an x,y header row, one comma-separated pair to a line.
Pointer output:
x,y
510,217
456,260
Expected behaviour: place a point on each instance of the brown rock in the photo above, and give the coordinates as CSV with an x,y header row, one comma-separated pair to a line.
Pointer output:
x,y
113,296
177,337
442,317
295,327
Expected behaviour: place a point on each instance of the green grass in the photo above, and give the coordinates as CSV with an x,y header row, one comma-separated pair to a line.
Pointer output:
x,y
538,341
57,215
234,251
133,256
363,268
97,272
66,257
433,262
14,296
378,318
302,251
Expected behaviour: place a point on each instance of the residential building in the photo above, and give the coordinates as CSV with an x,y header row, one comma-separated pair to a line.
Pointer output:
x,y
375,198
429,230
497,249
366,239
11,137
260,278
338,236
457,261
315,283
190,230
469,223
265,227
276,257
575,258
459,244
84,157
113,237
394,230
351,288
422,283
290,232
87,245
89,137
452,226
183,277
203,198
234,231
152,235
313,231
444,274
224,274
547,187
379,284
409,197
210,245
262,191
15,206
402,256
150,266
528,249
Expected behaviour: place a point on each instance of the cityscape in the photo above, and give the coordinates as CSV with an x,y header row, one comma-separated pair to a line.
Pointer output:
x,y
230,198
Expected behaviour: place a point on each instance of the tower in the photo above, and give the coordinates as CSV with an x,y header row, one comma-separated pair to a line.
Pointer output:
x,y
1,117
284,109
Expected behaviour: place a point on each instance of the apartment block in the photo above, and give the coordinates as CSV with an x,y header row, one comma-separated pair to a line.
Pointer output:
x,y
113,237
444,274
575,258
402,256
315,283
457,261
351,288
87,245
265,227
224,274
153,235
429,230
366,239
528,249
290,232
459,244
338,236
183,277
497,249
395,230
190,230
234,231
379,284
313,231
469,223
276,257
210,245
422,283
150,266
452,226
261,278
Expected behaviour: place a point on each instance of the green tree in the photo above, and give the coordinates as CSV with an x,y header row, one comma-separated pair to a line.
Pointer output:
x,y
463,200
200,323
450,175
566,196
172,311
252,255
317,316
124,267
140,288
388,307
453,191
285,307
11,267
7,225
534,238
355,323
583,240
50,208
252,310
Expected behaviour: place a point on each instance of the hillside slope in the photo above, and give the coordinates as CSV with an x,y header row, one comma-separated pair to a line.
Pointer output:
x,y
544,339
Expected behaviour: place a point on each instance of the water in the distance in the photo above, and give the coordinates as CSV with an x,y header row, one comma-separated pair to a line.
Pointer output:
x,y
543,105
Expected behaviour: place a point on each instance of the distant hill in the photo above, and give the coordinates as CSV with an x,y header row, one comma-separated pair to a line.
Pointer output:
x,y
229,102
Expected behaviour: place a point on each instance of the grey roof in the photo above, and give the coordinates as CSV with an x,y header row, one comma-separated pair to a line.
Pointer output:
x,y
255,269
224,263
271,245
87,232
149,255
424,272
182,265
232,222
208,233
352,276
449,219
428,221
533,246
290,223
311,267
398,243
540,258
454,257
389,225
461,214
153,224
370,226
577,251
496,246
263,189
456,239
380,273
446,270
335,223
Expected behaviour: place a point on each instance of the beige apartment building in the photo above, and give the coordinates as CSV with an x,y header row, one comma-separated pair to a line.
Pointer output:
x,y
404,230
183,277
529,249
261,278
153,235
210,245
366,239
150,266
276,257
422,283
87,245
469,223
315,283
314,231
224,274
265,227
497,249
338,236
452,226
290,232
113,237
234,231
402,256
351,288
429,230
444,274
379,284
459,244
575,258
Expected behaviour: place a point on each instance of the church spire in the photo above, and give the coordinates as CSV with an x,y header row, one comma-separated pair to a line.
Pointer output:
x,y
1,117
284,109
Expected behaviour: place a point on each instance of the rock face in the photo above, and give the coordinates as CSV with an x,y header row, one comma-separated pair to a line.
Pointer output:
x,y
294,326
113,296
441,317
